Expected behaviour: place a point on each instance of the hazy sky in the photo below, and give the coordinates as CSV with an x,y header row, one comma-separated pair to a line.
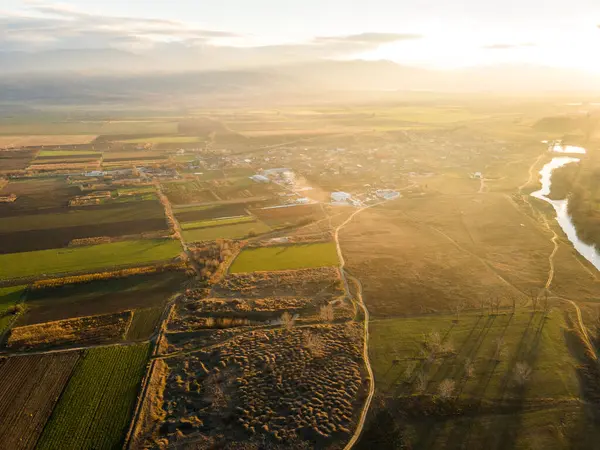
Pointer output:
x,y
441,33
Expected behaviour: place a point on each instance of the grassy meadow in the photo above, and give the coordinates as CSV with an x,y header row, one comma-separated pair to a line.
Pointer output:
x,y
94,257
301,256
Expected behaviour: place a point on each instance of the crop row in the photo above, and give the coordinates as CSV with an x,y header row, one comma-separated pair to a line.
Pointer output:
x,y
96,406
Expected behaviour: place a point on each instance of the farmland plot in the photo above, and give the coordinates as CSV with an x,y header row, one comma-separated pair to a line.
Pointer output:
x,y
9,297
83,331
101,297
94,257
144,323
286,257
96,406
29,388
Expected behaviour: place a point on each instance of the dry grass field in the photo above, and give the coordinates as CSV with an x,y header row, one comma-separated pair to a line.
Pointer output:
x,y
82,331
288,386
39,140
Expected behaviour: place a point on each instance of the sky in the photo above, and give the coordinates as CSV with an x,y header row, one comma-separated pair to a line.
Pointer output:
x,y
429,33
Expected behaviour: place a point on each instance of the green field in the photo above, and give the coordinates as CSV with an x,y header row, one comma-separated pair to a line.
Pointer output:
x,y
76,259
235,231
44,153
164,140
540,342
217,222
95,409
286,257
144,323
9,297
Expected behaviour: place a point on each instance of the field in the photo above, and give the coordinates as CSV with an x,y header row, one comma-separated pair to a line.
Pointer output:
x,y
62,153
235,231
90,330
9,297
286,258
30,232
144,323
188,192
55,133
216,222
163,140
477,361
33,140
81,259
311,388
100,297
209,212
14,160
290,214
29,389
96,406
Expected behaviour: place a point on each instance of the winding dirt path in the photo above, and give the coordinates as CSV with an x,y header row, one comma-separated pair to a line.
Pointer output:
x,y
531,173
584,333
363,415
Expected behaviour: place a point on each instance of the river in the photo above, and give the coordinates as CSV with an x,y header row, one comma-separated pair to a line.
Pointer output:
x,y
589,252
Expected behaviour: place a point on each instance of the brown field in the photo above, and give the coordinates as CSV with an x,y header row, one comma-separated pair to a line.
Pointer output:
x,y
36,196
284,386
290,214
324,281
101,297
38,140
15,160
83,330
29,388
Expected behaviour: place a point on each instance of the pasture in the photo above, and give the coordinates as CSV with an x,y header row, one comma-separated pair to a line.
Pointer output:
x,y
83,259
96,406
29,389
286,257
484,379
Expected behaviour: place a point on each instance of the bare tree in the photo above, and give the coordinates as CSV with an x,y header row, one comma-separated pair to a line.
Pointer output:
x,y
534,300
326,313
496,302
546,303
314,343
410,369
421,384
514,304
469,368
287,320
458,308
210,322
433,341
522,373
482,303
499,349
446,388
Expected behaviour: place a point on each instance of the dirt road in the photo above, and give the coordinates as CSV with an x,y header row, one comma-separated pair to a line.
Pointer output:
x,y
364,412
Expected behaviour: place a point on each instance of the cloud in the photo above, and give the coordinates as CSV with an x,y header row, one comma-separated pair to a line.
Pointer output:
x,y
368,38
508,46
47,26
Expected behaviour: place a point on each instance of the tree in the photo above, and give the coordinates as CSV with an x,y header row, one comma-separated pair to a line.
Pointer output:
x,y
499,349
314,343
326,313
522,373
446,388
469,368
458,308
287,321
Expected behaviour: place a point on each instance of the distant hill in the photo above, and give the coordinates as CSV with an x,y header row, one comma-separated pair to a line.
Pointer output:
x,y
65,82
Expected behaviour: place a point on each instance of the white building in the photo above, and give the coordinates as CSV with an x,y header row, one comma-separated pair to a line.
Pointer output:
x,y
260,179
340,197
